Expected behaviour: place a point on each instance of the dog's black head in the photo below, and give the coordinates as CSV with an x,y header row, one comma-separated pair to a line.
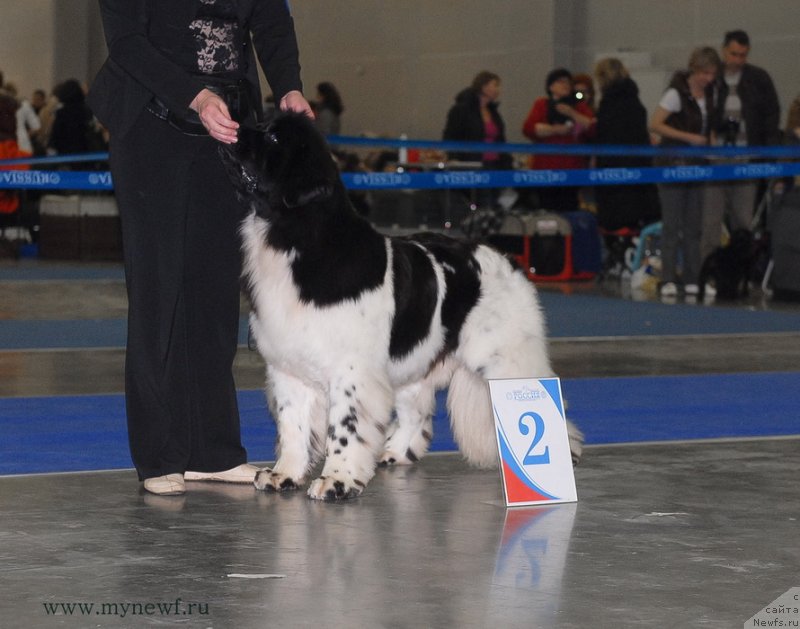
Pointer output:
x,y
287,166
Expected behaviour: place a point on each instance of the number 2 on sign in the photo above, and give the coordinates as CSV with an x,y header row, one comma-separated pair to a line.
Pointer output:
x,y
538,434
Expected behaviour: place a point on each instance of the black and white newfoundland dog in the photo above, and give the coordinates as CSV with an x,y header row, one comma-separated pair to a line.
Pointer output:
x,y
359,330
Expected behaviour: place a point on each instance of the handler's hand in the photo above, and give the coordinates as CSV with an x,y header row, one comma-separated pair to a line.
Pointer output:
x,y
296,102
215,117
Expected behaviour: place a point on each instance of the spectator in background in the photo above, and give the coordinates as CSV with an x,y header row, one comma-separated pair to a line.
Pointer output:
x,y
559,119
9,199
38,100
72,122
47,115
28,123
475,118
622,119
328,109
584,90
793,122
684,117
748,114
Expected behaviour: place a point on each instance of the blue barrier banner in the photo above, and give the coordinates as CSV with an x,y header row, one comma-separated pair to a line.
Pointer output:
x,y
447,179
55,180
581,177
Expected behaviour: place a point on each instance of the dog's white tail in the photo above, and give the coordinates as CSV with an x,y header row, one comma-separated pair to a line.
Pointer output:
x,y
471,417
472,420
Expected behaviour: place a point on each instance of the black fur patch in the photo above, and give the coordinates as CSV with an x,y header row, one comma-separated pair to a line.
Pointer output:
x,y
462,275
415,293
415,289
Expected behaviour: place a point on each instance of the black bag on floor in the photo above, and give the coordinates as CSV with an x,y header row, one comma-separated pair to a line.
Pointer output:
x,y
784,227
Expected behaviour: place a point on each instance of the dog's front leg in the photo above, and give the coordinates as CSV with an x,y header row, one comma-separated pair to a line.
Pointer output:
x,y
359,412
299,410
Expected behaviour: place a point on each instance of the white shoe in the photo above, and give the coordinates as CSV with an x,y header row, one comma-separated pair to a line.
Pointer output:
x,y
694,289
669,289
244,473
168,485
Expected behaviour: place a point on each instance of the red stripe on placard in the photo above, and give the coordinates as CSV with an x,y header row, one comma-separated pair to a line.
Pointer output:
x,y
518,491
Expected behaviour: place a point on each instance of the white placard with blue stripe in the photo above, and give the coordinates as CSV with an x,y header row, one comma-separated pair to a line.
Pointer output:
x,y
536,464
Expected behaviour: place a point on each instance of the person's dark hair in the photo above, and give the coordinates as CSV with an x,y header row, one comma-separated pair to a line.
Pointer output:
x,y
739,36
8,117
556,75
330,97
70,92
482,78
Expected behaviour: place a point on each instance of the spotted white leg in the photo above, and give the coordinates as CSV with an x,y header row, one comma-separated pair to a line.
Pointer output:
x,y
359,411
299,411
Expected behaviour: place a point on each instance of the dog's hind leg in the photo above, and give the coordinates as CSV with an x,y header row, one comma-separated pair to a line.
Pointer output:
x,y
411,431
299,410
360,407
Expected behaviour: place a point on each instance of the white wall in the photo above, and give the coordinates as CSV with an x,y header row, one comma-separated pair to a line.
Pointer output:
x,y
399,64
43,42
26,50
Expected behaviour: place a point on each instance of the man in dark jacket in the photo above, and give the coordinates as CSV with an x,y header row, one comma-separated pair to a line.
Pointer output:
x,y
748,114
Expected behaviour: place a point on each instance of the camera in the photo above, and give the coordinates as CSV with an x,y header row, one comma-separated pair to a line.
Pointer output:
x,y
730,131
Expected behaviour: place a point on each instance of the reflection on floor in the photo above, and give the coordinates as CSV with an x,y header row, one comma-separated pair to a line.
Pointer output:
x,y
679,533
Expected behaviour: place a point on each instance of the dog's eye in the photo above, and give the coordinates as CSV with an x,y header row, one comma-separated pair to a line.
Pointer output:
x,y
272,138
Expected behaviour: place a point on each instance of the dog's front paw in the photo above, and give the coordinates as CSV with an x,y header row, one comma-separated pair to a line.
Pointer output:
x,y
267,480
331,489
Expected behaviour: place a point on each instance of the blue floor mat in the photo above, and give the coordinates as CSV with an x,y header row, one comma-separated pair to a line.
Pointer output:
x,y
81,433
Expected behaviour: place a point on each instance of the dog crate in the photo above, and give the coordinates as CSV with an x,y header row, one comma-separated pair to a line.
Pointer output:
x,y
79,227
542,243
60,227
101,229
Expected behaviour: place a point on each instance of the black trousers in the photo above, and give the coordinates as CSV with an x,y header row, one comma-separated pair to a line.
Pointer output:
x,y
182,263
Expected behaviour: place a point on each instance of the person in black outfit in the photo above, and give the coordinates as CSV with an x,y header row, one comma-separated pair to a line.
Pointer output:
x,y
622,119
73,121
475,118
180,78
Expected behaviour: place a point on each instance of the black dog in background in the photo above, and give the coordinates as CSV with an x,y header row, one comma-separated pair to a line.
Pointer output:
x,y
729,267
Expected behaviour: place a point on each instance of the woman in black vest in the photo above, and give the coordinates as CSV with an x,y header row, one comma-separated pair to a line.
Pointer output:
x,y
181,77
683,118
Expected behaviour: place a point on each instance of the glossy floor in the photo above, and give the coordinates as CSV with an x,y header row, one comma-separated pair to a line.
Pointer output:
x,y
671,534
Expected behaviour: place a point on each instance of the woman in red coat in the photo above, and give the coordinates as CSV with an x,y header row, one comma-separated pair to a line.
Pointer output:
x,y
558,119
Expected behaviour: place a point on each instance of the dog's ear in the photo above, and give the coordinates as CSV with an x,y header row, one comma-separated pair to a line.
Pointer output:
x,y
298,198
